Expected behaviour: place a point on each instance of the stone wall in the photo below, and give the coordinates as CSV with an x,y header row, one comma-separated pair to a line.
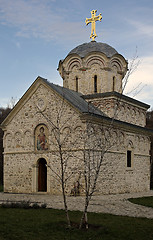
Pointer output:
x,y
21,171
109,72
1,157
121,110
46,108
43,108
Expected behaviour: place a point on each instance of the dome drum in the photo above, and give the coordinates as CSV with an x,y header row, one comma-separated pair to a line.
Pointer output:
x,y
91,61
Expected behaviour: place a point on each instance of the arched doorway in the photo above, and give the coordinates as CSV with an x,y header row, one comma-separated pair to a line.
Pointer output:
x,y
42,175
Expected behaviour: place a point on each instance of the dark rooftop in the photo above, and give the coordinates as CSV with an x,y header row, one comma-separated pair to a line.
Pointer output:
x,y
85,48
75,99
118,95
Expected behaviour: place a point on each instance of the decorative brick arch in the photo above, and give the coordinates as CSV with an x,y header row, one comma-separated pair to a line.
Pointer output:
x,y
74,62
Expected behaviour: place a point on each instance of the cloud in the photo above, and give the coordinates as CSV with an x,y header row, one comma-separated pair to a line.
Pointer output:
x,y
39,19
18,45
140,84
142,28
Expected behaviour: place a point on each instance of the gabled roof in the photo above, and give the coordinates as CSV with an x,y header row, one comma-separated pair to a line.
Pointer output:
x,y
77,101
74,98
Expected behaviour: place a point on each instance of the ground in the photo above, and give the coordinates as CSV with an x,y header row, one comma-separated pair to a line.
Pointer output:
x,y
117,204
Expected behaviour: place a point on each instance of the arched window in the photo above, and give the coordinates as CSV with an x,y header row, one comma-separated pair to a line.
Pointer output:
x,y
95,84
76,82
129,156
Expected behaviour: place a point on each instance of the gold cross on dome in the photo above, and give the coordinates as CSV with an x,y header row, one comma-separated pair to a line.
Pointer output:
x,y
93,20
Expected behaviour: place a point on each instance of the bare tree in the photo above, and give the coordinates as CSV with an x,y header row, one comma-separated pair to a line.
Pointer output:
x,y
132,68
62,138
12,102
94,142
97,140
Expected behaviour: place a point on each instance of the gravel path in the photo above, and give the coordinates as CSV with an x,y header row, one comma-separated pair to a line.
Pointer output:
x,y
114,204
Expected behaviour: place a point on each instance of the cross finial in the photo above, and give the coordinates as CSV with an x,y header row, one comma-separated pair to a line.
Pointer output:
x,y
92,20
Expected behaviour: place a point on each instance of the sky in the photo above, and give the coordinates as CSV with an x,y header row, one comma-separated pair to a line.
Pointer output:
x,y
36,34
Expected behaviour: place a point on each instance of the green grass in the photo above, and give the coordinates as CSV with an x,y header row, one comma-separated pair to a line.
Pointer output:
x,y
1,188
39,224
145,201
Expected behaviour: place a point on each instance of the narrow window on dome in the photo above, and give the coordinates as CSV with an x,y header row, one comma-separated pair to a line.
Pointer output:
x,y
76,81
95,83
113,84
129,157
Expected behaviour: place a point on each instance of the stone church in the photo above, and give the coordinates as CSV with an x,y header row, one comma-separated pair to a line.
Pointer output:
x,y
50,122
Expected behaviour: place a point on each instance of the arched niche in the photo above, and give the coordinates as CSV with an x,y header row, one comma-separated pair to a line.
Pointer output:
x,y
41,138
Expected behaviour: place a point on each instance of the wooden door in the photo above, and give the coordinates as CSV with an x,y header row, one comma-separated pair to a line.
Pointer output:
x,y
42,175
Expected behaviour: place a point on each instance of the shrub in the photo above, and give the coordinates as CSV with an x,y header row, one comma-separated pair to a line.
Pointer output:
x,y
44,205
22,204
35,206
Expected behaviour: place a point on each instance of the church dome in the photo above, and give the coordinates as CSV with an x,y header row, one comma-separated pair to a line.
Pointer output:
x,y
93,67
85,48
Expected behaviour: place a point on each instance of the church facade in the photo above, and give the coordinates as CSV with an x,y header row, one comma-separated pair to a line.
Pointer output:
x,y
88,116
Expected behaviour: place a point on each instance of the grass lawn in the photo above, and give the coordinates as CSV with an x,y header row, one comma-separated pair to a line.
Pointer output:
x,y
38,224
145,201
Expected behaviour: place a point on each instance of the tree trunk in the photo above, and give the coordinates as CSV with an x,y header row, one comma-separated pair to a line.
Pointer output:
x,y
63,189
84,218
65,206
